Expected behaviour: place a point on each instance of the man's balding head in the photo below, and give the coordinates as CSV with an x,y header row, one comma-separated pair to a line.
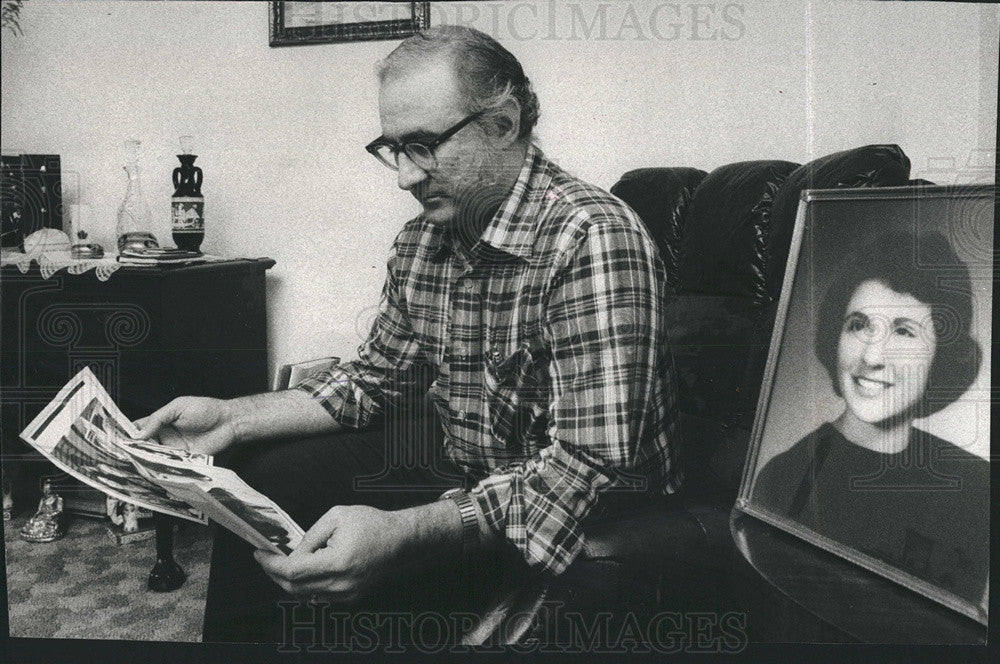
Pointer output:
x,y
488,75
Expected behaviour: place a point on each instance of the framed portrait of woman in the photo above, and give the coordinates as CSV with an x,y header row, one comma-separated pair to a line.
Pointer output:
x,y
872,433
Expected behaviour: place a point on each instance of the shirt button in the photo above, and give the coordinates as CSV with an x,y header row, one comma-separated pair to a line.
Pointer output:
x,y
463,415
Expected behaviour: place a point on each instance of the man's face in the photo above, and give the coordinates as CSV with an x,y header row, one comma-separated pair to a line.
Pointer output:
x,y
418,103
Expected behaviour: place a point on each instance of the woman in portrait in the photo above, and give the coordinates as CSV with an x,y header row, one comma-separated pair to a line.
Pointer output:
x,y
894,338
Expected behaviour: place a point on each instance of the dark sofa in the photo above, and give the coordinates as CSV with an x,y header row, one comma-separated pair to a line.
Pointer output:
x,y
725,238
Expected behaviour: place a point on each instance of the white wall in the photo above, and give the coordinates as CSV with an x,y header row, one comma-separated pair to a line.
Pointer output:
x,y
280,131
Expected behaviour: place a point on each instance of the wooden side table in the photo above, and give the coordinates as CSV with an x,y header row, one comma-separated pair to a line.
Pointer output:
x,y
149,335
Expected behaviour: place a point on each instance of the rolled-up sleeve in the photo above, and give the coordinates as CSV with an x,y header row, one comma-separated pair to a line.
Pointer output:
x,y
604,326
356,392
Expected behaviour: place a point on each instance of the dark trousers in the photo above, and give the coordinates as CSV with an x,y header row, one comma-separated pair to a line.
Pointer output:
x,y
397,465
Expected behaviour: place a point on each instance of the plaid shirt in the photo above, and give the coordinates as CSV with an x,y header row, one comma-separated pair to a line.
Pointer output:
x,y
546,352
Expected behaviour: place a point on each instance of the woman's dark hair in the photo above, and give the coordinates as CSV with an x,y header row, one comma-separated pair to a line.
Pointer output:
x,y
938,279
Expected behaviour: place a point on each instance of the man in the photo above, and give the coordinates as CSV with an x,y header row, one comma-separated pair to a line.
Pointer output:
x,y
526,306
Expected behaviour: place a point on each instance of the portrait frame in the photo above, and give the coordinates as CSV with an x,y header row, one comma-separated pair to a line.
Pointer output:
x,y
288,30
904,535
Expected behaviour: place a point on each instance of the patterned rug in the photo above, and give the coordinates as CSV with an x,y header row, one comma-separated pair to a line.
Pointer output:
x,y
86,586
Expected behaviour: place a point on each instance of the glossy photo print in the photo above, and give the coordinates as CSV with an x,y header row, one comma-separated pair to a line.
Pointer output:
x,y
872,437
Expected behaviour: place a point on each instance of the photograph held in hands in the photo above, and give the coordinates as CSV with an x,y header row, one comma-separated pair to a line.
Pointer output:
x,y
83,432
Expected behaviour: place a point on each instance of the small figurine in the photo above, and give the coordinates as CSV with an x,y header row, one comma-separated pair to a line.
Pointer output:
x,y
111,507
130,515
8,500
126,517
47,525
122,513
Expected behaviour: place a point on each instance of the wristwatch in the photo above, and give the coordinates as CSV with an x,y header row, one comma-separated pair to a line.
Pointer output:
x,y
470,523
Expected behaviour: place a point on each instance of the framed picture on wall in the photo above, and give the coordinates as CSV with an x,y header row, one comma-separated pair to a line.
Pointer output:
x,y
294,23
873,428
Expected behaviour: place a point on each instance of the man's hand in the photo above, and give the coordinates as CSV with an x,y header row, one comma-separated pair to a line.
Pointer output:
x,y
343,555
351,548
196,424
209,426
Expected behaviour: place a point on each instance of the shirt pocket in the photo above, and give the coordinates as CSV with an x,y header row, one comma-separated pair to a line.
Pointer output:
x,y
517,392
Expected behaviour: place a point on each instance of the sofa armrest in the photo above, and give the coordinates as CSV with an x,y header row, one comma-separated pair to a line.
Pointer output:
x,y
647,537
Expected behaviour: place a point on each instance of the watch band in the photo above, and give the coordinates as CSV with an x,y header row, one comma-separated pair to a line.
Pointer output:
x,y
470,523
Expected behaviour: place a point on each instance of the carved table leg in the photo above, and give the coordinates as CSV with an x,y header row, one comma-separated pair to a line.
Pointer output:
x,y
167,575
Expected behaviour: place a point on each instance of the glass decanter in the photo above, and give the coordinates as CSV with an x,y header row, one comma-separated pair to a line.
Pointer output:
x,y
134,217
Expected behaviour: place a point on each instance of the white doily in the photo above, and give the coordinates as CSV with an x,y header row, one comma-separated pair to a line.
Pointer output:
x,y
48,264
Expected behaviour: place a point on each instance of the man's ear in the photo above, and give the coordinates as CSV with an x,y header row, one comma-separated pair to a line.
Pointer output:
x,y
505,123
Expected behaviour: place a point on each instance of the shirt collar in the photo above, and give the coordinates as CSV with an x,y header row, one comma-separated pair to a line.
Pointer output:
x,y
512,228
438,242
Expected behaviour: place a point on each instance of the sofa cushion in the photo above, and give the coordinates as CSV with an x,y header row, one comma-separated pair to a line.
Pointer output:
x,y
868,166
713,457
715,340
724,248
661,196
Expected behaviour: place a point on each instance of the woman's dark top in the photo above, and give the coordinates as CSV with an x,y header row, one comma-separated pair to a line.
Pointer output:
x,y
924,510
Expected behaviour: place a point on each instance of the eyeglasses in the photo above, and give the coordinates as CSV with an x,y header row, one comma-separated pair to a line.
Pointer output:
x,y
420,153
